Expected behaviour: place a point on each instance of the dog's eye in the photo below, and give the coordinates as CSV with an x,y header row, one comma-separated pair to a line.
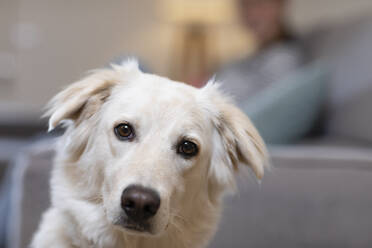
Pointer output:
x,y
124,131
187,149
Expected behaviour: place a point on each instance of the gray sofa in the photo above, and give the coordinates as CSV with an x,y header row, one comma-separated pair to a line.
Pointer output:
x,y
316,196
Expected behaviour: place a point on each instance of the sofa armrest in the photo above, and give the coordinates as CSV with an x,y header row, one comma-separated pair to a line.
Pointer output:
x,y
313,197
29,196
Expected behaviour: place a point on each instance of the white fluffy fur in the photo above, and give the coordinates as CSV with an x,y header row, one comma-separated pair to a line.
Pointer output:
x,y
92,167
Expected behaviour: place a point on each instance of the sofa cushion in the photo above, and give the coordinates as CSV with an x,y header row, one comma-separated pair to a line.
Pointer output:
x,y
287,111
353,119
347,49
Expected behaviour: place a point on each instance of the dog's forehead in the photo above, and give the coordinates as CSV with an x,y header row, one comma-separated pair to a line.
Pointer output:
x,y
162,90
152,96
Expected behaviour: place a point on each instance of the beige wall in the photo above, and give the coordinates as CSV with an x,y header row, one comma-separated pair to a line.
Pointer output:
x,y
307,14
59,40
8,16
55,42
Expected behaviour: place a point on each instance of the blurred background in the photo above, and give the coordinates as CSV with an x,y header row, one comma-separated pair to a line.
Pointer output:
x,y
301,69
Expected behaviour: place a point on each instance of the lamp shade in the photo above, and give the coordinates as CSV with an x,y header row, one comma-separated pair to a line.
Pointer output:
x,y
198,11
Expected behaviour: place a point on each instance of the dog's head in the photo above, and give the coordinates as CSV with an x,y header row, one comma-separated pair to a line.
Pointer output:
x,y
151,148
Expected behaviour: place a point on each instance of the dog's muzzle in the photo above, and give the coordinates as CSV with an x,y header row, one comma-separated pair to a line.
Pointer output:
x,y
140,204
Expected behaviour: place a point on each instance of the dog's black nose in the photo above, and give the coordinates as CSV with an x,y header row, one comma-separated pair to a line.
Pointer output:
x,y
140,203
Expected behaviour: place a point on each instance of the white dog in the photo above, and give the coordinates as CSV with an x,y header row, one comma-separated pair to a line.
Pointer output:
x,y
144,161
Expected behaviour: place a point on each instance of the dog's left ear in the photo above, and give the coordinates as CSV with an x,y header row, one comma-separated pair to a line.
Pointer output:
x,y
236,140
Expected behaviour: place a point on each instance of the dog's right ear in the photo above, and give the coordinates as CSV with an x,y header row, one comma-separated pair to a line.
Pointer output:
x,y
82,99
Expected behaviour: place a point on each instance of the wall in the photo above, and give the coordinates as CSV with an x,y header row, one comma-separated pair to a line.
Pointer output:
x,y
8,16
55,42
58,41
307,14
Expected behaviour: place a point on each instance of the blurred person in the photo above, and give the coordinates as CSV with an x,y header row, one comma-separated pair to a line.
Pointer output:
x,y
278,52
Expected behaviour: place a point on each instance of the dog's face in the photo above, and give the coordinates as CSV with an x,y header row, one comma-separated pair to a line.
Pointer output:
x,y
150,145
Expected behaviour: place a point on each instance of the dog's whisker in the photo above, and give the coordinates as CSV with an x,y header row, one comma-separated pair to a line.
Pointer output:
x,y
176,226
95,199
180,217
177,216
